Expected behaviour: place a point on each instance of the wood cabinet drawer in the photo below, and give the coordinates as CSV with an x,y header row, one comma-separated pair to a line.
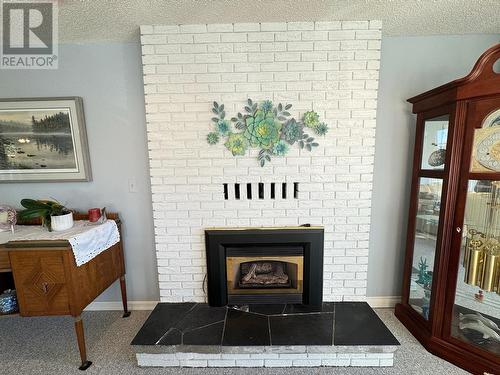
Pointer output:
x,y
41,284
4,260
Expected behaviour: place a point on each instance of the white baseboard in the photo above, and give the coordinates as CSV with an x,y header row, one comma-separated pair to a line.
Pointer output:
x,y
113,306
375,302
383,302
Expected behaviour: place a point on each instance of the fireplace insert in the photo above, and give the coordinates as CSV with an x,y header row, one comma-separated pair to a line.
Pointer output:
x,y
265,265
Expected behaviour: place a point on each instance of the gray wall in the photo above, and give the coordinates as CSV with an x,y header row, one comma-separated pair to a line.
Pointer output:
x,y
109,78
409,66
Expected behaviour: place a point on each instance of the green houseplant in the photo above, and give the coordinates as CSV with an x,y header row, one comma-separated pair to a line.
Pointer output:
x,y
45,210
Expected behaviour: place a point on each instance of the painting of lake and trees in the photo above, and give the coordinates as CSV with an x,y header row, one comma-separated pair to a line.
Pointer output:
x,y
36,139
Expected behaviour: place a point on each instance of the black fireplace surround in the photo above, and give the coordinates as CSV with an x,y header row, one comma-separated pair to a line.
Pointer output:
x,y
304,243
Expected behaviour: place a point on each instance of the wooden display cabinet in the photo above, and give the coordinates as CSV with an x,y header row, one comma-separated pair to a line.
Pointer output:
x,y
451,284
48,281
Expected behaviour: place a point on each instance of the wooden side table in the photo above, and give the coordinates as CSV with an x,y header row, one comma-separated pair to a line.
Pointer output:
x,y
48,282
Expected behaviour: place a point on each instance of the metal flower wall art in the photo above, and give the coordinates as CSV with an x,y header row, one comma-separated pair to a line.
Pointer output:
x,y
267,127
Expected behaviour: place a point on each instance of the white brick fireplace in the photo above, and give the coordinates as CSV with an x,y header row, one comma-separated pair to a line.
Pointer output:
x,y
329,67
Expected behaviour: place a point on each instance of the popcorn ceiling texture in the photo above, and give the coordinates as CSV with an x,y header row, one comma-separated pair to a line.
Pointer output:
x,y
329,67
99,20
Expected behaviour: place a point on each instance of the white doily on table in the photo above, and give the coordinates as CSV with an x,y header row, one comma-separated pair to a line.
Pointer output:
x,y
87,240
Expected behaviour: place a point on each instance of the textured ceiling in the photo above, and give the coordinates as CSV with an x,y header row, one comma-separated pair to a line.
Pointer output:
x,y
119,20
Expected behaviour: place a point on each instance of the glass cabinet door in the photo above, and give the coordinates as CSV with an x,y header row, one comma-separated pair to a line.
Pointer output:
x,y
434,143
476,312
475,317
425,243
431,178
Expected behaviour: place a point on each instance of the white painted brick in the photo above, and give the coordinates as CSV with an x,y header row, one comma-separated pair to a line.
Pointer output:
x,y
247,67
207,38
246,47
220,68
219,47
368,34
327,45
240,27
315,56
341,35
338,362
273,47
329,66
334,25
386,362
300,66
273,67
288,36
300,46
261,57
353,45
365,362
234,38
287,56
146,29
180,38
200,28
300,25
234,57
166,29
220,28
315,35
193,363
278,363
354,25
221,363
153,39
249,363
273,26
207,58
261,37
306,363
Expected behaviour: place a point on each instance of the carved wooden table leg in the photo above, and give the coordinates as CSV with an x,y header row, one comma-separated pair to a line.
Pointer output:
x,y
81,343
123,287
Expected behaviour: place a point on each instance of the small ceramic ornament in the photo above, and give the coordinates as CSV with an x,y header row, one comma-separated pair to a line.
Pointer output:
x,y
8,218
437,158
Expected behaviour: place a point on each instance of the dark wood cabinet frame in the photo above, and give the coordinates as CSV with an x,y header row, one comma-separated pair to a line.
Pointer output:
x,y
467,101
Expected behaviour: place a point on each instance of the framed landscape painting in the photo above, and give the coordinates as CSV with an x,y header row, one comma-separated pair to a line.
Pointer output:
x,y
43,139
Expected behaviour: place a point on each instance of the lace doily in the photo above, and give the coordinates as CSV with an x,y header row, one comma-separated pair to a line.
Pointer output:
x,y
87,240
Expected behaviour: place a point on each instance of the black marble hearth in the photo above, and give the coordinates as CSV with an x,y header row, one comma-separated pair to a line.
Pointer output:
x,y
334,323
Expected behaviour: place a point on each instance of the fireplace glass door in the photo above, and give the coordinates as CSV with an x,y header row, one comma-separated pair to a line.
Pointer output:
x,y
265,274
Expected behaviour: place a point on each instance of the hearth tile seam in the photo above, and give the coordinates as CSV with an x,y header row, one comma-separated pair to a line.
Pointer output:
x,y
200,327
333,323
269,329
283,314
174,328
171,329
309,313
224,328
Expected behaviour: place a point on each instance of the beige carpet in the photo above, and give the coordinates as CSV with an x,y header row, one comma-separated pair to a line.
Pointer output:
x,y
48,346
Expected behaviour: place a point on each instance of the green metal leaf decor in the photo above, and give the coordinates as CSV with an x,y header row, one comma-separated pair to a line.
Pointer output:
x,y
266,126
